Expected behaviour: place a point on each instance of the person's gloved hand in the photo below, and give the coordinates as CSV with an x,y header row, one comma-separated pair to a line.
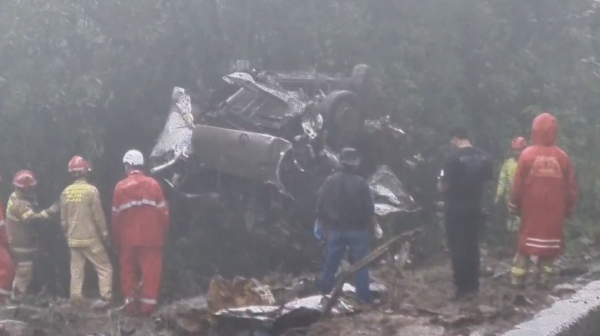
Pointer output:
x,y
378,231
54,208
318,230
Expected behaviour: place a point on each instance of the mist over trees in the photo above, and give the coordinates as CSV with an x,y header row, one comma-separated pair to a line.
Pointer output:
x,y
94,77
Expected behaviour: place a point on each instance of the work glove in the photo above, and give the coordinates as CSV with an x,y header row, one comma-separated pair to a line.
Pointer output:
x,y
54,208
318,230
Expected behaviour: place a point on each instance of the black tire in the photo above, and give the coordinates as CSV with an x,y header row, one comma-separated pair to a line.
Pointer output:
x,y
343,119
369,90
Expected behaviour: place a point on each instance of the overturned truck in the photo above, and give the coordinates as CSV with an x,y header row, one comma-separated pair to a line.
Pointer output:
x,y
253,159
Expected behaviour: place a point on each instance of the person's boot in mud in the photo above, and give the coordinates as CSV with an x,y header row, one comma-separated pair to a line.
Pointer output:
x,y
518,276
465,173
545,271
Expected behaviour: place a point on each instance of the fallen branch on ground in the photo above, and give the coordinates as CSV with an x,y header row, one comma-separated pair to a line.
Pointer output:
x,y
373,256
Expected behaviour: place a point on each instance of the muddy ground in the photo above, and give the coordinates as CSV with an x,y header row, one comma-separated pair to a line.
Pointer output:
x,y
420,306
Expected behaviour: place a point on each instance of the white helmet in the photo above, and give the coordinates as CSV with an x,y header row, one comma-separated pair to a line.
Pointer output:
x,y
134,157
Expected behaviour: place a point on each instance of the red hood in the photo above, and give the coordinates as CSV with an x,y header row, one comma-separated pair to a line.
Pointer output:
x,y
544,131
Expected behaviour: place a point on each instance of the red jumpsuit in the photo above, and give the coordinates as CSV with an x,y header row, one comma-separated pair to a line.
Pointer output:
x,y
7,266
140,219
544,191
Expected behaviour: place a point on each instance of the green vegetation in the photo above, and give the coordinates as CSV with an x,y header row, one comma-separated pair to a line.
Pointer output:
x,y
95,77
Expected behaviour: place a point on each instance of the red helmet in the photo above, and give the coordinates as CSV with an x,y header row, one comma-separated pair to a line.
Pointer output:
x,y
78,164
24,179
518,143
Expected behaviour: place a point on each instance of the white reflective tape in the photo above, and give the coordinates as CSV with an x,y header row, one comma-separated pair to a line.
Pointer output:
x,y
25,263
138,203
148,301
5,292
543,246
24,249
544,241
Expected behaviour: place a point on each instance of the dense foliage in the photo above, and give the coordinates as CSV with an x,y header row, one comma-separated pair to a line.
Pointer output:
x,y
94,77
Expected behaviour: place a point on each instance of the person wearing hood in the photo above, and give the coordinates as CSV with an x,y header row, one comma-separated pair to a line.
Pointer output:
x,y
544,194
346,211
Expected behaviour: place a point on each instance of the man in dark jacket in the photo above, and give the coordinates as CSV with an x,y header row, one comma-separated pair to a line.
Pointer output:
x,y
345,208
466,171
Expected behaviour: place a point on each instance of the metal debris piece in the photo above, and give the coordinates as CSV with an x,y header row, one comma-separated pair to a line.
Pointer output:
x,y
241,292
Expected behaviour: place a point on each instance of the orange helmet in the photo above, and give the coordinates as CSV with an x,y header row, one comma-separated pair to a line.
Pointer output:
x,y
24,179
518,143
78,164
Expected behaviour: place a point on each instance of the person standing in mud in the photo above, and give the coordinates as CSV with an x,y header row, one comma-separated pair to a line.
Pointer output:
x,y
346,210
544,194
22,235
140,223
465,173
84,225
505,181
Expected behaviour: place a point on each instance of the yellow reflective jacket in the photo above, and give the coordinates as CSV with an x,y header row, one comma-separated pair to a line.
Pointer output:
x,y
81,216
22,236
507,173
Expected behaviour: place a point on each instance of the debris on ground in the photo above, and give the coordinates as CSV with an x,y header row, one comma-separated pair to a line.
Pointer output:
x,y
280,304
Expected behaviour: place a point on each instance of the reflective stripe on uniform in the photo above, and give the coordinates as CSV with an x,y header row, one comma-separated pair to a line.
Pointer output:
x,y
29,213
148,301
543,243
5,292
139,203
24,263
23,249
518,271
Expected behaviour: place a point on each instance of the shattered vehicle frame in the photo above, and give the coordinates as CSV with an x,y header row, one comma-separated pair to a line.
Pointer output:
x,y
258,153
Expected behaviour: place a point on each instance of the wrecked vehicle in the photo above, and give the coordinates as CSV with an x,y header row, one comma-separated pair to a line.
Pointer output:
x,y
256,155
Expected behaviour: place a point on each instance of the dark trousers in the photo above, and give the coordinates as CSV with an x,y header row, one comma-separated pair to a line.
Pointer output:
x,y
359,245
462,232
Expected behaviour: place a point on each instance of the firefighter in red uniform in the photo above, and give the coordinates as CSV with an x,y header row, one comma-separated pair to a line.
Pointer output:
x,y
544,194
140,222
7,266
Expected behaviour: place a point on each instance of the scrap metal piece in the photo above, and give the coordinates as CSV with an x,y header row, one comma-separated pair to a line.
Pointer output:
x,y
250,155
389,193
177,133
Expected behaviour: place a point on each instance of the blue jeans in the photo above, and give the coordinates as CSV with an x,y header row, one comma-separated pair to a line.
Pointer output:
x,y
359,244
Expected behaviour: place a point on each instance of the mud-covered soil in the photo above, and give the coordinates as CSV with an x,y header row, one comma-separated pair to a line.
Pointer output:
x,y
420,305
424,305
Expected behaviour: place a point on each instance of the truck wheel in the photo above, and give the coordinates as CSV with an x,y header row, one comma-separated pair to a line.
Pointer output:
x,y
343,118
